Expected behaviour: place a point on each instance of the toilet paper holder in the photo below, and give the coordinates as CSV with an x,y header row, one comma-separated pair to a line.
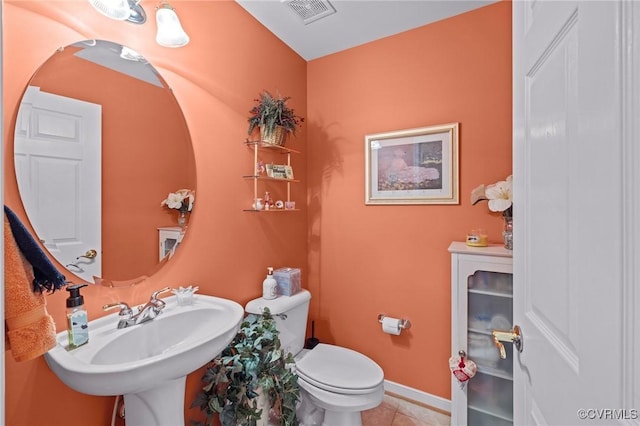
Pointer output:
x,y
404,324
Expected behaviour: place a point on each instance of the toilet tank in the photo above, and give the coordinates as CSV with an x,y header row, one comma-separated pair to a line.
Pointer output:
x,y
290,313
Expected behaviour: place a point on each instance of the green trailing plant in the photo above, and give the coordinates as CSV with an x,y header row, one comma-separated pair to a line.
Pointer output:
x,y
271,111
252,363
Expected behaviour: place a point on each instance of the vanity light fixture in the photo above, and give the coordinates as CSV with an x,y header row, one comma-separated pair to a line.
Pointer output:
x,y
137,15
170,32
131,55
129,10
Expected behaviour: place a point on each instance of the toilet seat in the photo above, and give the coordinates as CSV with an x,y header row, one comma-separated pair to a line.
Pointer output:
x,y
340,370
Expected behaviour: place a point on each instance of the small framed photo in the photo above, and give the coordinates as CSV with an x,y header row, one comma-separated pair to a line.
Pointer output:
x,y
413,166
277,171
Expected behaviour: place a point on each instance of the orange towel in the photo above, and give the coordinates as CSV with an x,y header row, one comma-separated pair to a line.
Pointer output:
x,y
29,329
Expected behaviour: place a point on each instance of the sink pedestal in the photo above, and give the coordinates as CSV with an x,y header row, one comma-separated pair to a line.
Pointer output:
x,y
162,405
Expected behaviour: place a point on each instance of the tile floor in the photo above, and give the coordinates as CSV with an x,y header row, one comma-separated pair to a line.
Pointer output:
x,y
395,411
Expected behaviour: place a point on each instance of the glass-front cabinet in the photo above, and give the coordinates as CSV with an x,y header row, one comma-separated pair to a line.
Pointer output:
x,y
482,301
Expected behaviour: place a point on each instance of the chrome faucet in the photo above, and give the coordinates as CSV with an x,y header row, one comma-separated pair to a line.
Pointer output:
x,y
144,313
125,313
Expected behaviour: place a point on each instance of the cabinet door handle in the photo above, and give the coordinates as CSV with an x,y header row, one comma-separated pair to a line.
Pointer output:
x,y
514,336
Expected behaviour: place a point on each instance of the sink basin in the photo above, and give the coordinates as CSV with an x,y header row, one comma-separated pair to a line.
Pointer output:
x,y
148,363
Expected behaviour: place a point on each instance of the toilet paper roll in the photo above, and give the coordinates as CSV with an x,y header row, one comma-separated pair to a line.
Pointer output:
x,y
391,325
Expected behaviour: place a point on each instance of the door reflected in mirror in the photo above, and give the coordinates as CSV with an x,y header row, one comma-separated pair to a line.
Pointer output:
x,y
100,141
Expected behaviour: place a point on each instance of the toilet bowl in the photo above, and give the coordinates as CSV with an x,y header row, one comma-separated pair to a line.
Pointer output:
x,y
335,381
340,381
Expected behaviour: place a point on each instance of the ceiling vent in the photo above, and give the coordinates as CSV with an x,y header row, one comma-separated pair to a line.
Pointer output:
x,y
310,10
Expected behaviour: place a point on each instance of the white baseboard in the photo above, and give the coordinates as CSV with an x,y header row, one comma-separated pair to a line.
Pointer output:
x,y
418,396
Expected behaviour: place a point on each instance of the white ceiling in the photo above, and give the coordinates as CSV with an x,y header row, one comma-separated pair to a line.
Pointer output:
x,y
355,22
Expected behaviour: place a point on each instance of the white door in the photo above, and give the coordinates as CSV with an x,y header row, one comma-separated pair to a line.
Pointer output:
x,y
58,169
570,160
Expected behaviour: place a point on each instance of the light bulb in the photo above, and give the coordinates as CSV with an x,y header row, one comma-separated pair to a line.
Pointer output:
x,y
114,9
170,32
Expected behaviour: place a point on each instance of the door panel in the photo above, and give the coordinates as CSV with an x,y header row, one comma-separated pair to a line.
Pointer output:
x,y
568,210
550,91
58,157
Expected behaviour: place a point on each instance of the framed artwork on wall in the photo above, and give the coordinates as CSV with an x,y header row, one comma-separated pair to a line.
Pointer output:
x,y
413,166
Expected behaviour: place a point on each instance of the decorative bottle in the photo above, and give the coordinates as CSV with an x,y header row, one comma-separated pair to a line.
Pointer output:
x,y
269,286
268,201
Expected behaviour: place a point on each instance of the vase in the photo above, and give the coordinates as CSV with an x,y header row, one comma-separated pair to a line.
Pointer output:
x,y
507,232
182,219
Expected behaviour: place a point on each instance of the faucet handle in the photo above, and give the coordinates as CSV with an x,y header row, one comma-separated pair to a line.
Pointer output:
x,y
124,308
155,294
158,304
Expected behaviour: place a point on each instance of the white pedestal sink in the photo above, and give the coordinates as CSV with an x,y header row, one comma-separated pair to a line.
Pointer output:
x,y
148,363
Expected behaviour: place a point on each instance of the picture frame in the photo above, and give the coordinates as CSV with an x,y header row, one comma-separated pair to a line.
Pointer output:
x,y
278,171
413,166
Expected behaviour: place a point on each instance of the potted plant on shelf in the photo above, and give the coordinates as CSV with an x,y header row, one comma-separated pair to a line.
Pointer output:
x,y
249,383
274,118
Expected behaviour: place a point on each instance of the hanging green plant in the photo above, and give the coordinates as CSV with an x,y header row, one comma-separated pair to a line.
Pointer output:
x,y
252,365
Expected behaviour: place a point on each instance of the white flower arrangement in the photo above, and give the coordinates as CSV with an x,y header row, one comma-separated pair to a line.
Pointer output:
x,y
181,200
499,195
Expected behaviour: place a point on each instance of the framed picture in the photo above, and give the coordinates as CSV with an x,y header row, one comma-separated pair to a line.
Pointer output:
x,y
414,166
277,171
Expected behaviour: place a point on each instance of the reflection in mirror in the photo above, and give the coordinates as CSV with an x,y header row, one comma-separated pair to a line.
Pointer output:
x,y
100,141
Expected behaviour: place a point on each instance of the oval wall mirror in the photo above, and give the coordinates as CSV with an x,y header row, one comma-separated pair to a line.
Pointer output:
x,y
100,142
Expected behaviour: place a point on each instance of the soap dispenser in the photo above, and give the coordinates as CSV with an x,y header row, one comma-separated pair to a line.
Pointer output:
x,y
77,323
269,285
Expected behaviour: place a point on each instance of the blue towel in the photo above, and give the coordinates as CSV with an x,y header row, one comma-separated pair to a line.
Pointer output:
x,y
47,277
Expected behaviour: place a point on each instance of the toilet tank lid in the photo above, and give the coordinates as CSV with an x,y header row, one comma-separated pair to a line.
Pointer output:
x,y
278,305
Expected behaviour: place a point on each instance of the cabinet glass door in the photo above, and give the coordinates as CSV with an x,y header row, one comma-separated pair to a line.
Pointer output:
x,y
168,245
170,238
490,307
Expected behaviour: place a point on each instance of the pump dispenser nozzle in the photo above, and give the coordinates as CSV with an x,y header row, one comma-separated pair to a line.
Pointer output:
x,y
75,298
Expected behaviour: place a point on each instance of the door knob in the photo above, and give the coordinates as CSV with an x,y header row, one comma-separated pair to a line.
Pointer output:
x,y
514,336
90,254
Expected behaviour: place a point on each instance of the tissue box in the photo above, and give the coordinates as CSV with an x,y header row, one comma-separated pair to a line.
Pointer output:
x,y
288,280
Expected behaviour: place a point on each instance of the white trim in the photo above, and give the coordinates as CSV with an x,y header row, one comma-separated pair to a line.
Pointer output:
x,y
418,396
630,64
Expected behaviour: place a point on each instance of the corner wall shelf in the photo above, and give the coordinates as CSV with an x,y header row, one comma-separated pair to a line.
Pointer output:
x,y
271,210
260,179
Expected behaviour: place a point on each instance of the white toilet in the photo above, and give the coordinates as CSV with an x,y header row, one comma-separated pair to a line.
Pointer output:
x,y
339,381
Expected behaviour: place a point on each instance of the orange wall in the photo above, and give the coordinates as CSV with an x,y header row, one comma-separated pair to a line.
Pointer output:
x,y
215,78
366,260
362,260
